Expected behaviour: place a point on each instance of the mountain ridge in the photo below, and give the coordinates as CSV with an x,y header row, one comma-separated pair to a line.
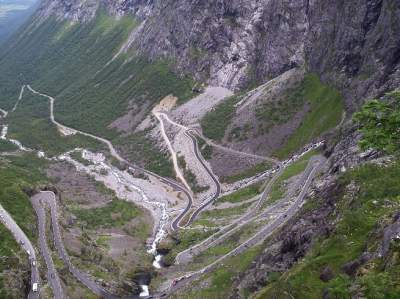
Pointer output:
x,y
229,43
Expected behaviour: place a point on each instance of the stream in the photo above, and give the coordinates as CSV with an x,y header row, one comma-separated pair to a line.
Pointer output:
x,y
124,185
121,182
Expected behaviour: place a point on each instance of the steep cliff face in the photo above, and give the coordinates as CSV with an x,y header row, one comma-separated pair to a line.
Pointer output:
x,y
235,43
355,44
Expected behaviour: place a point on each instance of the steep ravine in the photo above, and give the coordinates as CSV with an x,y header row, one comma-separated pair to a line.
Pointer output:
x,y
109,63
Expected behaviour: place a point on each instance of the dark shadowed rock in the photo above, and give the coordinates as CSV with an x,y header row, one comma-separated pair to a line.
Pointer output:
x,y
352,267
326,274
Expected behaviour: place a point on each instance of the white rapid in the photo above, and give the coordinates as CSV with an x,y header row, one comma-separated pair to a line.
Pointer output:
x,y
124,180
145,291
125,187
3,136
123,177
157,261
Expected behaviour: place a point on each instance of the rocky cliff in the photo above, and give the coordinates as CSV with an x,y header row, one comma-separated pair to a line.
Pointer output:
x,y
352,44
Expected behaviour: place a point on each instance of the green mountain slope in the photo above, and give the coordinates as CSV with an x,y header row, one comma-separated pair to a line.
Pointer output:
x,y
74,64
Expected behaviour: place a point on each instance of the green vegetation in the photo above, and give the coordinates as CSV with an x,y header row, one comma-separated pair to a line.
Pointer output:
x,y
325,112
240,133
6,146
379,124
218,213
229,244
205,149
279,111
215,122
31,125
278,188
246,173
136,147
77,156
192,181
182,240
191,177
102,241
242,194
19,175
115,214
362,215
11,256
219,282
74,64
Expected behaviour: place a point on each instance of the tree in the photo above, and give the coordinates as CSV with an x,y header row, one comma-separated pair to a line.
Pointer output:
x,y
379,123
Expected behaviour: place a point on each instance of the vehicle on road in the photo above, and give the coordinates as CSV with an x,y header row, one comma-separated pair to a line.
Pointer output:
x,y
35,287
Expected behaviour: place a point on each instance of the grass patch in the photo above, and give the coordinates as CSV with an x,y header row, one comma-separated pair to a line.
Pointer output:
x,y
215,122
205,149
10,253
325,112
242,194
103,240
278,188
279,111
183,240
137,147
6,146
115,214
361,215
246,173
77,156
18,175
220,280
31,125
218,213
191,177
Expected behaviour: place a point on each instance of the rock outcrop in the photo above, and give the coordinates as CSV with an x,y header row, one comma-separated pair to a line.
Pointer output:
x,y
351,44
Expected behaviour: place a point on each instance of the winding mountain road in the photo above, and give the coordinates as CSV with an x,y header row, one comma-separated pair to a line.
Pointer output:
x,y
316,164
175,225
236,152
26,244
217,193
170,182
52,275
189,132
186,255
49,198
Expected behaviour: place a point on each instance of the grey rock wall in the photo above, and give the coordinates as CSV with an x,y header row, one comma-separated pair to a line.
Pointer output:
x,y
354,45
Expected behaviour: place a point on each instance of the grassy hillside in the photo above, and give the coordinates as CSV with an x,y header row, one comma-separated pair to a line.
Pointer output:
x,y
31,125
18,175
361,217
14,259
324,113
215,122
322,105
73,62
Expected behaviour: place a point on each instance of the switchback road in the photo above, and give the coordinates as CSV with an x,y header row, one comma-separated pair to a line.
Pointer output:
x,y
49,198
26,244
170,182
52,275
210,173
316,164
